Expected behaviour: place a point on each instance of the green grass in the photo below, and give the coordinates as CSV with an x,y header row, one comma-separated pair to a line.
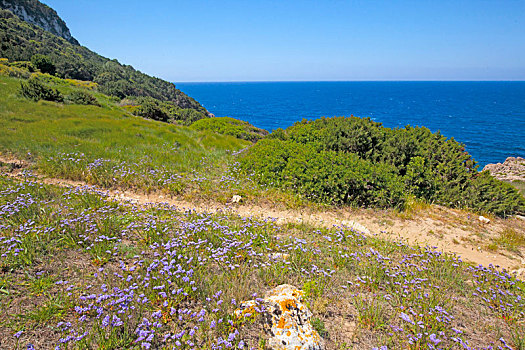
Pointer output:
x,y
51,134
358,288
510,240
230,126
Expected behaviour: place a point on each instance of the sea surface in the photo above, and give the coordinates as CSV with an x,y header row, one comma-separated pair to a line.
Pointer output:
x,y
488,117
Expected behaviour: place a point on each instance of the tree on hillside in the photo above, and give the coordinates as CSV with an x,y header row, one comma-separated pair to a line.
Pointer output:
x,y
43,63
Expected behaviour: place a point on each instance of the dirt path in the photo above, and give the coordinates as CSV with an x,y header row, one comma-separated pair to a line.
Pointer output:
x,y
454,231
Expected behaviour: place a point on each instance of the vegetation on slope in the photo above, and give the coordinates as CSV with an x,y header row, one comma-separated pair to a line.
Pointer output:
x,y
20,41
360,162
230,126
102,143
41,15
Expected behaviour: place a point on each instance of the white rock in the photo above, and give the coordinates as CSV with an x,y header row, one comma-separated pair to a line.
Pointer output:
x,y
236,199
278,256
484,219
286,320
353,225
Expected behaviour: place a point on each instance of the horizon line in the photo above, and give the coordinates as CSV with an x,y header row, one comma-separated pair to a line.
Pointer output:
x,y
347,81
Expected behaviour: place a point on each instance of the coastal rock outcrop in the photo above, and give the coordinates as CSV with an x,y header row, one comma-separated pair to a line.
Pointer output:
x,y
286,320
41,15
513,169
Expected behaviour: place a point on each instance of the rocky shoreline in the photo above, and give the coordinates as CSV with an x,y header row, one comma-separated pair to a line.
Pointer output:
x,y
513,169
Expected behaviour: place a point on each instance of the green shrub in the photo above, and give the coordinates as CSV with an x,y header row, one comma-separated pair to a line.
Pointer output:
x,y
81,97
43,63
360,162
152,110
164,111
230,126
325,176
488,194
35,90
26,65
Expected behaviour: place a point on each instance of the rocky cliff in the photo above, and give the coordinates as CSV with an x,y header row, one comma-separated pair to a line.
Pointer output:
x,y
513,169
36,13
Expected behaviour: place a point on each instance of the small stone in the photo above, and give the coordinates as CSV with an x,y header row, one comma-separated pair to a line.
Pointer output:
x,y
278,256
355,226
484,219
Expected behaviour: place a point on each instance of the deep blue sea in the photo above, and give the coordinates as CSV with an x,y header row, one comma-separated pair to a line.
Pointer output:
x,y
488,117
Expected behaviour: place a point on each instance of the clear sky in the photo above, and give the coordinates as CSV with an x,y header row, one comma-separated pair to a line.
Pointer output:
x,y
251,40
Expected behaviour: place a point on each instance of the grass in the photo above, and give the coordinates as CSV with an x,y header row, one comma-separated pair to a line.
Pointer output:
x,y
509,239
108,147
85,142
87,253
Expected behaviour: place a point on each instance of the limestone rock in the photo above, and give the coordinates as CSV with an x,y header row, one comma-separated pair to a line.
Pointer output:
x,y
279,256
236,199
513,169
286,320
484,219
40,15
355,226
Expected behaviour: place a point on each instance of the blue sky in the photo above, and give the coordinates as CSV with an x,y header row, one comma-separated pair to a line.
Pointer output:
x,y
251,40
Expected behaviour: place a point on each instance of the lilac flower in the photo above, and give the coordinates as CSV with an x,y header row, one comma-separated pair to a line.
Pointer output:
x,y
18,334
434,339
406,318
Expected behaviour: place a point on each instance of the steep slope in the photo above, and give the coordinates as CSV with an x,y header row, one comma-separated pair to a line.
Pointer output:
x,y
41,15
19,41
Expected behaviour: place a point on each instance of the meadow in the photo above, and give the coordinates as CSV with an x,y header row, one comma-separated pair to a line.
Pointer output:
x,y
82,271
105,145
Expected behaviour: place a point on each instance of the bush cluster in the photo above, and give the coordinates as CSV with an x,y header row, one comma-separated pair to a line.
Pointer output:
x,y
230,126
165,111
34,90
358,161
43,63
81,97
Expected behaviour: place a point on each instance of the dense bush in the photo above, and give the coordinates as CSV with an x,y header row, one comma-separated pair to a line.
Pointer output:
x,y
326,176
43,63
34,90
360,162
164,111
152,110
12,70
230,126
81,97
488,194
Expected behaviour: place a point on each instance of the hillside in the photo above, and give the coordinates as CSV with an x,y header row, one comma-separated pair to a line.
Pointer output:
x,y
41,15
21,41
166,246
89,142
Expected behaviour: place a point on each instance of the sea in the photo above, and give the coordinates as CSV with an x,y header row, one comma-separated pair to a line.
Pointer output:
x,y
488,117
